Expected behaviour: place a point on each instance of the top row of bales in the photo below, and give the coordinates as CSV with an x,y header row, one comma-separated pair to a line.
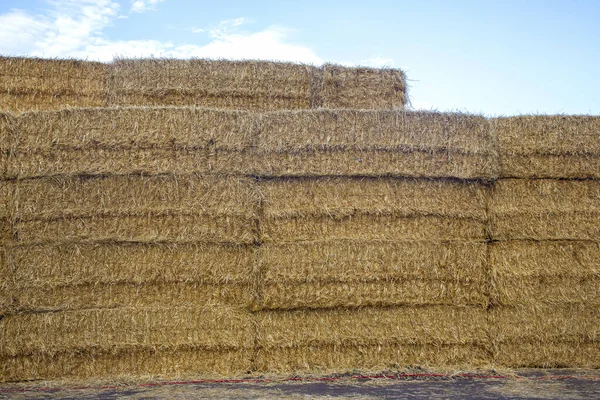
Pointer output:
x,y
47,84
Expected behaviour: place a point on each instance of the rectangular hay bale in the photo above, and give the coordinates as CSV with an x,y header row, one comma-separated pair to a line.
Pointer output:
x,y
375,143
163,328
548,146
356,273
352,196
40,84
546,209
372,227
549,272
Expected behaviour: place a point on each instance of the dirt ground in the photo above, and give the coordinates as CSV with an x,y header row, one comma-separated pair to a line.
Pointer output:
x,y
523,384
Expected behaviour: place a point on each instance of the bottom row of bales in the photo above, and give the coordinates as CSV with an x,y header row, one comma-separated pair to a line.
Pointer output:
x,y
107,276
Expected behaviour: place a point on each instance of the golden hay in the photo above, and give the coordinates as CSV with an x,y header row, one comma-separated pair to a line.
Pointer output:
x,y
251,85
111,295
65,197
355,273
557,146
347,196
546,209
7,138
362,88
208,327
127,363
37,84
373,326
546,336
372,227
327,359
143,227
550,272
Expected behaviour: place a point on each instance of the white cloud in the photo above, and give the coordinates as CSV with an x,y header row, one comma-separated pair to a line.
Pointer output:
x,y
139,6
378,62
74,28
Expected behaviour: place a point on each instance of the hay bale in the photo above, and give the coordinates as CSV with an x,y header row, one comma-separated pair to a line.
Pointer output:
x,y
340,197
40,84
366,337
555,146
546,336
546,209
331,359
102,275
127,364
356,273
375,143
7,138
545,272
149,328
249,85
362,88
132,140
371,227
69,197
146,227
112,295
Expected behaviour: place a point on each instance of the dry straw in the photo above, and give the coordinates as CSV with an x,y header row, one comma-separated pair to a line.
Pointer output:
x,y
546,272
546,209
357,273
37,84
399,143
159,328
546,336
557,146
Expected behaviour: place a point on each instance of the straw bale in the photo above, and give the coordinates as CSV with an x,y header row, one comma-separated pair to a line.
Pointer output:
x,y
149,140
542,323
373,163
47,266
550,166
339,359
353,273
372,227
38,84
541,145
546,209
140,227
548,355
127,364
64,197
361,87
251,85
7,143
350,196
550,272
161,328
373,326
111,295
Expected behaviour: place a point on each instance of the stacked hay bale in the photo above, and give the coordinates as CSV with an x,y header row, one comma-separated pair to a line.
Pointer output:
x,y
546,252
131,244
373,250
40,84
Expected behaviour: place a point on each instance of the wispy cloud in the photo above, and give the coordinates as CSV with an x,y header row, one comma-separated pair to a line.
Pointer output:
x,y
139,6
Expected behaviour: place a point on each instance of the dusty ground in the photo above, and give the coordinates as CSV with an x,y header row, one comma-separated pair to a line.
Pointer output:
x,y
525,384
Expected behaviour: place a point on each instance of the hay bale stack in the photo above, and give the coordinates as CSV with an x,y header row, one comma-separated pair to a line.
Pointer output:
x,y
546,272
375,143
557,146
252,85
41,84
332,242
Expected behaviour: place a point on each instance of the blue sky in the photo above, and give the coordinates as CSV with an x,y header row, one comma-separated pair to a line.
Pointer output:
x,y
491,57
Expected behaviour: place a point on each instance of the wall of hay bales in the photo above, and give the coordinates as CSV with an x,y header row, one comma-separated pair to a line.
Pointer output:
x,y
179,241
45,84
